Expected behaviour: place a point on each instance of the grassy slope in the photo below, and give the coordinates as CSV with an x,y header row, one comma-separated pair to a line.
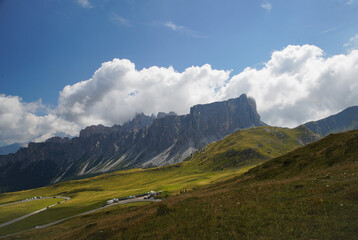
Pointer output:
x,y
334,149
90,193
310,193
251,146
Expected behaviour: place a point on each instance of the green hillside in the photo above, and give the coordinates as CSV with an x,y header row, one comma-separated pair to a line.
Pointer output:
x,y
220,161
310,193
252,146
332,150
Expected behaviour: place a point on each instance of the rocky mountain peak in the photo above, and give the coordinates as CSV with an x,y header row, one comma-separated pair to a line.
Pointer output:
x,y
90,130
163,114
58,140
221,118
138,122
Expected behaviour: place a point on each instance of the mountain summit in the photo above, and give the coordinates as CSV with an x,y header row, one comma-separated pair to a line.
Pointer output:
x,y
146,141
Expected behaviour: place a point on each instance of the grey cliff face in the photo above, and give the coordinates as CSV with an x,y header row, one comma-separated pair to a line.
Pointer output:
x,y
221,118
145,141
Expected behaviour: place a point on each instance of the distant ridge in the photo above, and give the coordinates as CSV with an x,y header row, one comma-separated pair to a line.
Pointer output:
x,y
12,148
341,122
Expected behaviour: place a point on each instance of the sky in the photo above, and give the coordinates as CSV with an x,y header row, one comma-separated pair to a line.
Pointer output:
x,y
67,64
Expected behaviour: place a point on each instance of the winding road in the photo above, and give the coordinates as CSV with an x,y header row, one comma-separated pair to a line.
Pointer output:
x,y
31,199
30,214
139,199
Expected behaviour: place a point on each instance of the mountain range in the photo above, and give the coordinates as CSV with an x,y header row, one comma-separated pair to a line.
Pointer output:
x,y
146,141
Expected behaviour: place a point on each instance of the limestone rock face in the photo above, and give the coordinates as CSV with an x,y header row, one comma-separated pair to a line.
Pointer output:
x,y
145,141
210,122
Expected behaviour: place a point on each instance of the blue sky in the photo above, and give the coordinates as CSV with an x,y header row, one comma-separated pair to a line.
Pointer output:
x,y
47,44
66,64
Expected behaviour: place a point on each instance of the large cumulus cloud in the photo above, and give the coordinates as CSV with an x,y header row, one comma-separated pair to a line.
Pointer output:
x,y
117,91
297,84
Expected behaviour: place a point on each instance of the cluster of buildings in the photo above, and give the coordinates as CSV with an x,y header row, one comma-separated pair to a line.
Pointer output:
x,y
33,198
146,195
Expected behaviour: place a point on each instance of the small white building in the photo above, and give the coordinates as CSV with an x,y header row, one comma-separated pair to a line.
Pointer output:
x,y
110,201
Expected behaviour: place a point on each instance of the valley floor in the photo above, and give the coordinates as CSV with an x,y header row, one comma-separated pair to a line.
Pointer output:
x,y
90,194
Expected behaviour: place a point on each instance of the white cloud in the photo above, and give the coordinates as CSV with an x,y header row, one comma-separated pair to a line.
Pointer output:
x,y
173,26
183,30
117,91
296,85
328,30
84,3
349,2
121,21
353,43
20,122
267,6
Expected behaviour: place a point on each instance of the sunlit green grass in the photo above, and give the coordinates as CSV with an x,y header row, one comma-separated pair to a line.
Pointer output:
x,y
264,142
92,193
